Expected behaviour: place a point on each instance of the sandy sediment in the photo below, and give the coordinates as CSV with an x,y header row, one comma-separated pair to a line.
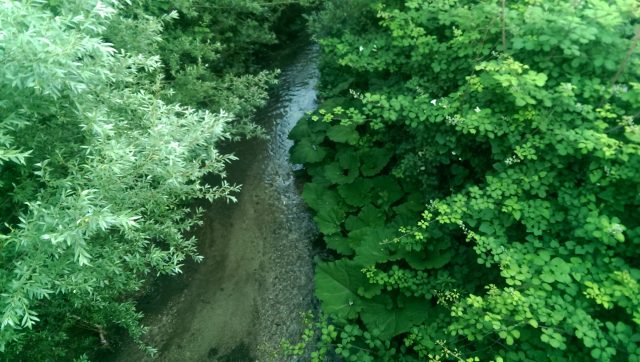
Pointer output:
x,y
257,275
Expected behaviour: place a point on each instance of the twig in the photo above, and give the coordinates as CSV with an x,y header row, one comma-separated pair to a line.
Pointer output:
x,y
623,65
95,328
504,30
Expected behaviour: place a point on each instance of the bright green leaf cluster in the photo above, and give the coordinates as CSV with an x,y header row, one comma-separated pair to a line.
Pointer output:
x,y
510,125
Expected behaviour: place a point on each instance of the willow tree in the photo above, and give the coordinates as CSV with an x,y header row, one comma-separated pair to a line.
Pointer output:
x,y
96,172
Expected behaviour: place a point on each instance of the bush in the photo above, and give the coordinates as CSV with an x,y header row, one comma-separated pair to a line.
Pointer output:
x,y
474,166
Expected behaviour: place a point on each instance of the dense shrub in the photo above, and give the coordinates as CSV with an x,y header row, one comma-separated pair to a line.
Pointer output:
x,y
475,169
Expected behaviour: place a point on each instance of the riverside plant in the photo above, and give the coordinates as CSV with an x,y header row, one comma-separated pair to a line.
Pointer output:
x,y
474,169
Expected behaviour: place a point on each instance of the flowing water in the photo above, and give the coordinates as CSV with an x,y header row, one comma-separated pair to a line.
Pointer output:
x,y
257,275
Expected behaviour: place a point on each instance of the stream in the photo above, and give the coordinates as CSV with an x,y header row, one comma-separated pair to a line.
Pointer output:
x,y
257,275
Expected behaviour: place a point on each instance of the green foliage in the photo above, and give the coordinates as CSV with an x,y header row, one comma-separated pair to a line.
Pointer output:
x,y
338,284
98,164
512,131
210,52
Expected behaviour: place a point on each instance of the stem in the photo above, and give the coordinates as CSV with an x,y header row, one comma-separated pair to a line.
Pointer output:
x,y
625,62
103,338
623,66
94,328
504,30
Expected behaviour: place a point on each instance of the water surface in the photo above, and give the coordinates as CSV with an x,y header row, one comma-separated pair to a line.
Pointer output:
x,y
257,275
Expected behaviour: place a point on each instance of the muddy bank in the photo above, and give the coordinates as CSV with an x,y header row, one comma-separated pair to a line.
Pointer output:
x,y
257,275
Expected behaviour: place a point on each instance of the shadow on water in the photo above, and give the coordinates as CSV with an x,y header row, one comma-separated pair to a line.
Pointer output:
x,y
257,276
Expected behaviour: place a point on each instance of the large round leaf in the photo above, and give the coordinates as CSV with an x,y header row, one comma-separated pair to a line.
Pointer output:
x,y
337,285
389,320
369,216
339,243
356,193
338,175
372,245
386,191
348,158
343,134
308,129
374,160
329,219
318,196
428,259
306,152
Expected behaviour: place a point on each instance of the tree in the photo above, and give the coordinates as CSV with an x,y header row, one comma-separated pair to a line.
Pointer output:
x,y
96,175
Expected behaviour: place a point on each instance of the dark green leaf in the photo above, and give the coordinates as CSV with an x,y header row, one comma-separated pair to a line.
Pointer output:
x,y
343,134
306,152
356,193
379,313
337,285
374,160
